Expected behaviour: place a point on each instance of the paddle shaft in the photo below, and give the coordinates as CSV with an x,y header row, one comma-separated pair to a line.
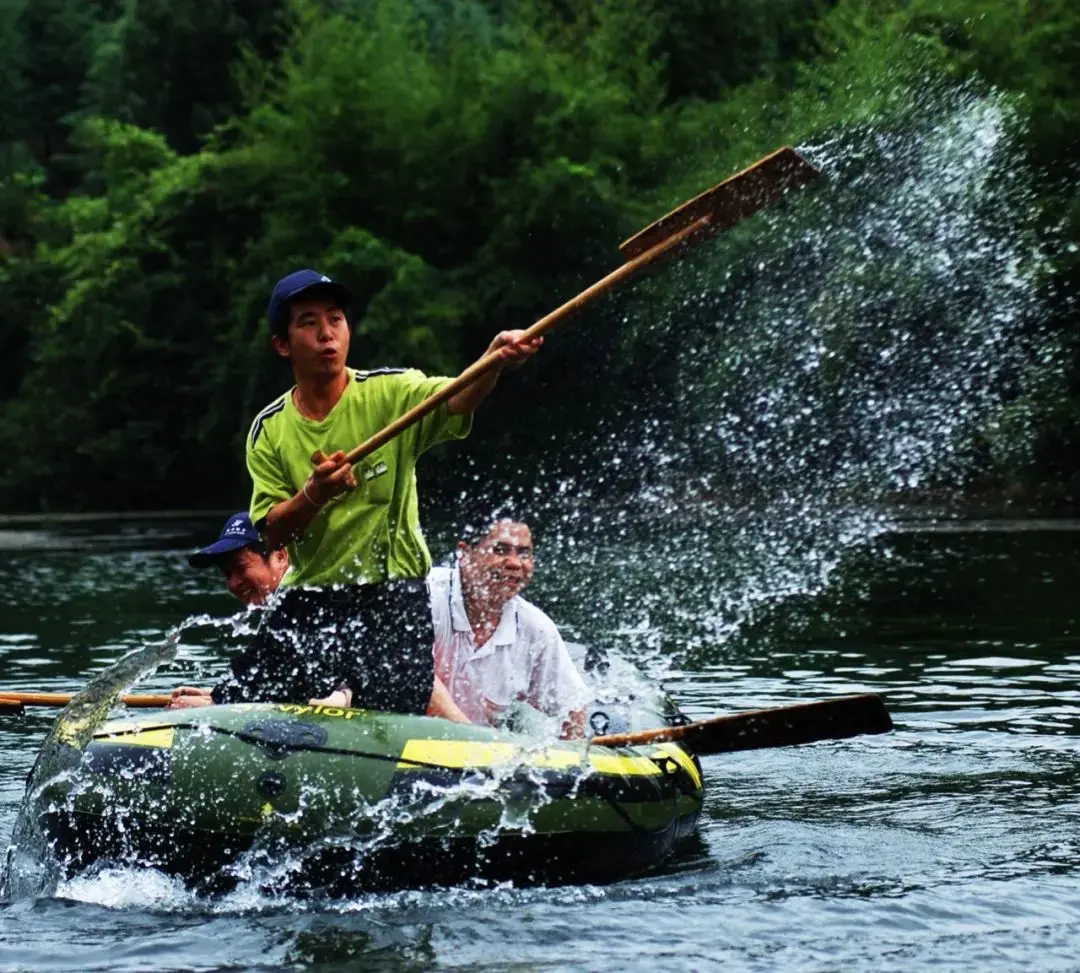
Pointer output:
x,y
784,726
62,699
484,365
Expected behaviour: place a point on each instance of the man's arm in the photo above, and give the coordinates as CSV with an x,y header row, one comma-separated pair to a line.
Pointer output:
x,y
291,518
512,350
190,697
442,704
555,685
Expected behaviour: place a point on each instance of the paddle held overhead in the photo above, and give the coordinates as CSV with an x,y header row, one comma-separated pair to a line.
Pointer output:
x,y
765,182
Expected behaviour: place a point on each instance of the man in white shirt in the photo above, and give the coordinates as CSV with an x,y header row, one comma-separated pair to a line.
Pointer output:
x,y
494,649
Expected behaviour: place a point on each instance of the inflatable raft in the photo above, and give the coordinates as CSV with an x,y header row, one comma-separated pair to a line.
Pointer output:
x,y
338,800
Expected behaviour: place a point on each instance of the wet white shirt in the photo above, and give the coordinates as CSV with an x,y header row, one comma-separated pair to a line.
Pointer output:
x,y
525,658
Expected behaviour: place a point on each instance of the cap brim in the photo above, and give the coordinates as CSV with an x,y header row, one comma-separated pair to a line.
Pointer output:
x,y
207,556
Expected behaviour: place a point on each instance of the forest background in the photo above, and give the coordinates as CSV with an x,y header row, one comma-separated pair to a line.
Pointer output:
x,y
465,166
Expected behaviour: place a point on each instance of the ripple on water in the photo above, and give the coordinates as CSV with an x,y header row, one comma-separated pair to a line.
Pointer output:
x,y
948,844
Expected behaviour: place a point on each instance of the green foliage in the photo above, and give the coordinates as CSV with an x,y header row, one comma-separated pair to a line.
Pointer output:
x,y
712,46
118,360
168,66
14,83
46,47
463,165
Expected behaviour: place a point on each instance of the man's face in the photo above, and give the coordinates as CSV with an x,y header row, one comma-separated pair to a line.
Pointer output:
x,y
318,338
251,577
501,565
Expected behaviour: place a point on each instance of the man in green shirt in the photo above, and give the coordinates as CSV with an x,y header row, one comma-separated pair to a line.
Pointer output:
x,y
355,609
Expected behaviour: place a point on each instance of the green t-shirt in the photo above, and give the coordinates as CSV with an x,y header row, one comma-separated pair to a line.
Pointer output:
x,y
372,533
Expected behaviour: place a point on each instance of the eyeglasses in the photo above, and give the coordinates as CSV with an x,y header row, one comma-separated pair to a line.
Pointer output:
x,y
524,552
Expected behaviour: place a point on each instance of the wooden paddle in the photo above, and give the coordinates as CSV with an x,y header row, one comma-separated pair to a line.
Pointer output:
x,y
62,699
785,726
703,217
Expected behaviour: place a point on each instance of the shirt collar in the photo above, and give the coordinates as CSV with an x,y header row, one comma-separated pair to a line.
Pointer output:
x,y
506,631
458,618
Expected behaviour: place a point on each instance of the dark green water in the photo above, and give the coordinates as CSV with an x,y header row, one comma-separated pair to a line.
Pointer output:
x,y
950,844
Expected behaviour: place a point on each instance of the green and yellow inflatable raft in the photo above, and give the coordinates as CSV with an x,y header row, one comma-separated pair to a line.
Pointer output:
x,y
351,800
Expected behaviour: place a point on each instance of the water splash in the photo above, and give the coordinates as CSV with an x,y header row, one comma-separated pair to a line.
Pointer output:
x,y
29,868
342,831
833,357
871,345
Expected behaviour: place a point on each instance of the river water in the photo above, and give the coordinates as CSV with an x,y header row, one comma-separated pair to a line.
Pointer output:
x,y
951,843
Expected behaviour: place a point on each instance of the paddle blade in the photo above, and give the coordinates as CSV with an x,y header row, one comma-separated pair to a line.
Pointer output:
x,y
765,182
785,726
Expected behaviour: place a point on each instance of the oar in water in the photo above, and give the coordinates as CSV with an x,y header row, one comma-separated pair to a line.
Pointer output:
x,y
784,726
10,698
701,218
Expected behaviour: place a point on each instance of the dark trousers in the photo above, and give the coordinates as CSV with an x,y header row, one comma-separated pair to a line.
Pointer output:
x,y
376,639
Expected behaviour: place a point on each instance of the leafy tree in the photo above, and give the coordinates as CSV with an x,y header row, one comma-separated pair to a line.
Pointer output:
x,y
168,65
464,166
712,46
56,40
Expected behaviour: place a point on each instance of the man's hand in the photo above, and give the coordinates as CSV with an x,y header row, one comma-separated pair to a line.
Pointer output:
x,y
340,698
331,477
573,727
190,697
290,519
509,348
513,348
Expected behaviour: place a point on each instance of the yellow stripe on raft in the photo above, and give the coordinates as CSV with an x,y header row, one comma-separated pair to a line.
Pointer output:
x,y
158,737
118,727
623,765
682,758
455,753
460,754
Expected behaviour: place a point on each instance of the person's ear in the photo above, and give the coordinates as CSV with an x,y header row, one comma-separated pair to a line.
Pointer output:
x,y
281,346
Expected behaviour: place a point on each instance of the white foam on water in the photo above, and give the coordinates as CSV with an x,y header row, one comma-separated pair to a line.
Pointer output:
x,y
118,887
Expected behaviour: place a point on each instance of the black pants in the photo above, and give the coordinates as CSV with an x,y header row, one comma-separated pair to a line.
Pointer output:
x,y
376,639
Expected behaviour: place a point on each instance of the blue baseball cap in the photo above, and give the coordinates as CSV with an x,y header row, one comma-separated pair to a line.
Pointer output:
x,y
238,532
293,285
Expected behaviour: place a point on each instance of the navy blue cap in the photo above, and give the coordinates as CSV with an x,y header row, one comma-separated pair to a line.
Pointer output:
x,y
238,532
293,285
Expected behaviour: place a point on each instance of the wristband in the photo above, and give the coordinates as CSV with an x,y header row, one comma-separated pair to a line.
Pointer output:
x,y
308,497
